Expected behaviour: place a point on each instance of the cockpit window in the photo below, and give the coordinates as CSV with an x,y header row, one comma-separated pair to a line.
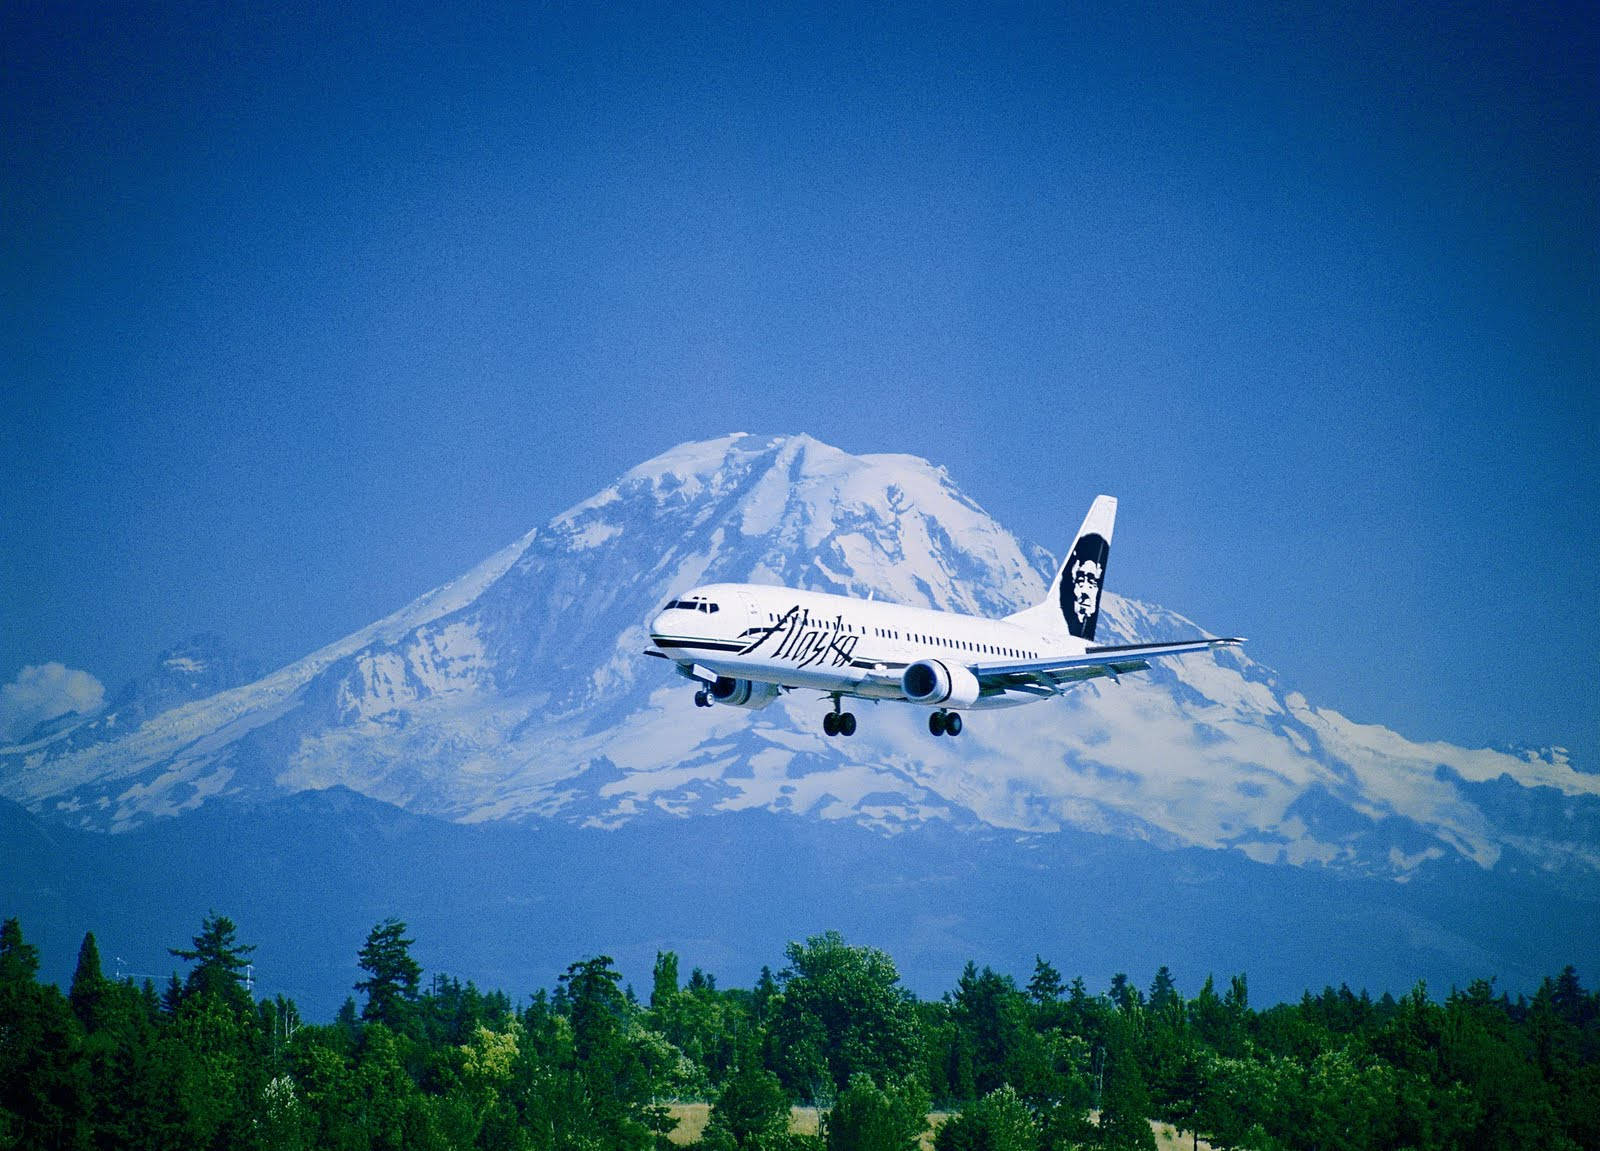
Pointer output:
x,y
691,605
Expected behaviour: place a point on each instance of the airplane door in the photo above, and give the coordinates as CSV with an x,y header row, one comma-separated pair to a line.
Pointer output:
x,y
746,605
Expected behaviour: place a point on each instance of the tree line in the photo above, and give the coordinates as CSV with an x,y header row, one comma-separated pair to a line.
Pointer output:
x,y
590,1065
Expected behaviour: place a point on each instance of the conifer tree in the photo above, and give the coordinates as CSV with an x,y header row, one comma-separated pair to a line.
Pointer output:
x,y
392,976
766,990
220,962
617,1086
89,987
44,1087
19,959
752,1113
1163,992
1045,986
1124,1103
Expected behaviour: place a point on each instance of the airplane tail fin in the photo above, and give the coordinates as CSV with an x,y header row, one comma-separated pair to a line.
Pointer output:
x,y
1072,606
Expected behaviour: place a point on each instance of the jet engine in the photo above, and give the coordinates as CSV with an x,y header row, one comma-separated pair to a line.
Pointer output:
x,y
931,681
743,692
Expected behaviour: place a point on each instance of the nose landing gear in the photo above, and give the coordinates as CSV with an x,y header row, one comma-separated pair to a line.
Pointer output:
x,y
702,699
944,722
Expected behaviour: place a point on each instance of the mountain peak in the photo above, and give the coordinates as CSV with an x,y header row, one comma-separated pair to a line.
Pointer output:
x,y
518,691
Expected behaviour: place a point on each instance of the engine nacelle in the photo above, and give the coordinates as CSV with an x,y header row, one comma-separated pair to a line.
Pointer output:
x,y
743,692
931,681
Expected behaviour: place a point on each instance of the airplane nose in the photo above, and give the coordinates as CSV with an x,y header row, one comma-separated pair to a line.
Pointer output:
x,y
658,625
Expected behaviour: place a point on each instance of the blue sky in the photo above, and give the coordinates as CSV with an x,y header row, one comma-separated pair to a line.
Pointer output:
x,y
306,312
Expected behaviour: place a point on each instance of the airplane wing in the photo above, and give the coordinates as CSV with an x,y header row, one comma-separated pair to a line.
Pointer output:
x,y
1047,676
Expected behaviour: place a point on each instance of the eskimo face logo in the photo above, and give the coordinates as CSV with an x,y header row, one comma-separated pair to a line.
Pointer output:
x,y
1081,582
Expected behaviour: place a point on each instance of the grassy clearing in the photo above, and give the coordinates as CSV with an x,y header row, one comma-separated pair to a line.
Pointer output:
x,y
692,1119
1169,1138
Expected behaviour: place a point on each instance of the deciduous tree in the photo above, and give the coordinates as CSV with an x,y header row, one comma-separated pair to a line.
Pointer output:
x,y
842,1012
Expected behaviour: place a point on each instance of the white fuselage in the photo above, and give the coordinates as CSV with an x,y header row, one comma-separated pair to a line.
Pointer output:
x,y
838,644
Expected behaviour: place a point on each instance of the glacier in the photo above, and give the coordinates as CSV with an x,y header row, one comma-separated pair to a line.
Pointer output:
x,y
517,692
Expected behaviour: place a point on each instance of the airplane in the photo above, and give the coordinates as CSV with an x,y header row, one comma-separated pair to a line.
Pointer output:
x,y
745,644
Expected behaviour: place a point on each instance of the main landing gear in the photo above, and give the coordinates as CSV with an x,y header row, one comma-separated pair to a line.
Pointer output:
x,y
944,722
702,699
838,722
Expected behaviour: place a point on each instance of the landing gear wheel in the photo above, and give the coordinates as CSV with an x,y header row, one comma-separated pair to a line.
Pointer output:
x,y
952,724
701,699
847,723
830,724
936,723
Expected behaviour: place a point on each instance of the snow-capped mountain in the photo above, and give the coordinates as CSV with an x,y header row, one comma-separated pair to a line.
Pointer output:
x,y
519,691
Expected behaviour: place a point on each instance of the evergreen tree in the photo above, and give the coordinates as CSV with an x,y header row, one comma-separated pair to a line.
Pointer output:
x,y
991,1019
1210,1020
1124,1101
391,1111
131,1084
112,1066
1077,1012
392,976
1045,987
1163,992
761,999
44,1085
89,987
208,1061
752,1113
19,959
1570,1000
219,961
172,995
617,1084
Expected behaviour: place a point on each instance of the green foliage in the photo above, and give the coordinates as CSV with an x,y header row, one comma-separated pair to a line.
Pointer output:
x,y
219,961
752,1113
702,1023
841,1013
617,1068
1124,1102
392,976
89,988
1000,1121
993,1030
208,1060
867,1117
1045,987
19,959
664,978
44,1081
112,1065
